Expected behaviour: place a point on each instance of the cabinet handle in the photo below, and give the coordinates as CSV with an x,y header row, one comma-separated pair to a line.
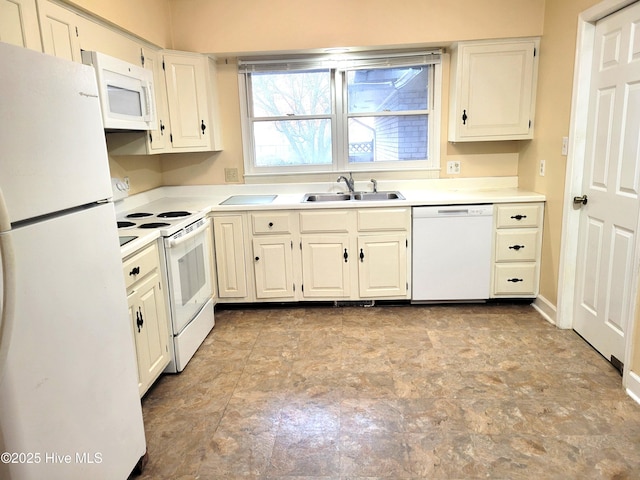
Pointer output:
x,y
518,217
464,117
346,255
516,247
257,259
361,255
161,128
515,280
134,271
203,127
270,224
139,319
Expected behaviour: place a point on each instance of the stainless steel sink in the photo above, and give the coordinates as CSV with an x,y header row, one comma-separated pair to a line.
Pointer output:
x,y
371,196
345,197
326,197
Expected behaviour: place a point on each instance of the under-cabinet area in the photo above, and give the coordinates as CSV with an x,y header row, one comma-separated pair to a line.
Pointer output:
x,y
333,254
362,254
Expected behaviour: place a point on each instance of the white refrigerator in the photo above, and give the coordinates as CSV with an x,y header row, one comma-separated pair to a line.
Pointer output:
x,y
69,403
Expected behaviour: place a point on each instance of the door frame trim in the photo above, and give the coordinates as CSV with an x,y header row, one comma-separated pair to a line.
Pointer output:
x,y
575,170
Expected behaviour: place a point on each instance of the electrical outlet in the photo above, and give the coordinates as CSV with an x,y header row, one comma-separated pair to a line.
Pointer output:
x,y
542,168
231,175
453,167
127,182
565,146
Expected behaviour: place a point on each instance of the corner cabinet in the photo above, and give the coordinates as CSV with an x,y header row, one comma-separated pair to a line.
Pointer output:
x,y
493,90
148,315
517,250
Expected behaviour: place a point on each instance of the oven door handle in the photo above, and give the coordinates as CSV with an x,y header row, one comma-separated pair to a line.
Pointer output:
x,y
174,242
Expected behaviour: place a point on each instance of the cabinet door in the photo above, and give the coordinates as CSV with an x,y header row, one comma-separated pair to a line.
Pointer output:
x,y
228,234
185,77
273,266
382,265
495,91
158,139
326,263
59,31
149,320
19,24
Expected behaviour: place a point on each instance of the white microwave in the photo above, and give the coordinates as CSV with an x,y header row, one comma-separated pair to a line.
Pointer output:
x,y
126,93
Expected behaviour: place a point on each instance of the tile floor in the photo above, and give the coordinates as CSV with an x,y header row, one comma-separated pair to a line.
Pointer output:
x,y
391,392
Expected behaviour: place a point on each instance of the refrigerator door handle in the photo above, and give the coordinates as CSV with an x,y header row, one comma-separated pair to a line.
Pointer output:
x,y
7,260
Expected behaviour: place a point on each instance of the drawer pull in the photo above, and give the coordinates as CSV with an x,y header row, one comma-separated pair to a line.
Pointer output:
x,y
270,224
515,280
518,217
135,271
257,259
139,319
516,247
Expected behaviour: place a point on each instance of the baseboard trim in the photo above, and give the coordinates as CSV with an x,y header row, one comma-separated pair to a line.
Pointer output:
x,y
548,310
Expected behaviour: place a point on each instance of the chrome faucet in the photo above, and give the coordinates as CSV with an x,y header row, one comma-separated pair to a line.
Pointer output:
x,y
375,185
349,181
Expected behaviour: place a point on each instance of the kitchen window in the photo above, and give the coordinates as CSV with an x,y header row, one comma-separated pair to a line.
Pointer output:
x,y
358,112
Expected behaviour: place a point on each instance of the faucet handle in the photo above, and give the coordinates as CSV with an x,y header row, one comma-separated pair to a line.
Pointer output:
x,y
375,185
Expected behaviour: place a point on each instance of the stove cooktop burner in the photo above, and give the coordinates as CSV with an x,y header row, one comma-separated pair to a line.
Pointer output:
x,y
125,224
139,215
153,225
176,214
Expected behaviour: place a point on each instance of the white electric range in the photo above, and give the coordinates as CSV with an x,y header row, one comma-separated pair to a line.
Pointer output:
x,y
187,262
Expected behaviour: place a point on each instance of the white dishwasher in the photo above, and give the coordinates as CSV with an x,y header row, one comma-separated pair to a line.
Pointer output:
x,y
452,253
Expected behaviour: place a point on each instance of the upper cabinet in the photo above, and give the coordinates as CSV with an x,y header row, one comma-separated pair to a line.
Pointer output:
x,y
493,86
19,23
187,107
187,78
59,28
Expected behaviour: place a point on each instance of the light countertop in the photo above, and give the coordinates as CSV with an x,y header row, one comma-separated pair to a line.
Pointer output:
x,y
206,199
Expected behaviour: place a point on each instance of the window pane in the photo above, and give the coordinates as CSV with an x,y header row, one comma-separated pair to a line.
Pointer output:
x,y
387,89
388,138
284,93
292,142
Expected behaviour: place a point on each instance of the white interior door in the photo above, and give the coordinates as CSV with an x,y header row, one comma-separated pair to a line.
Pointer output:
x,y
608,221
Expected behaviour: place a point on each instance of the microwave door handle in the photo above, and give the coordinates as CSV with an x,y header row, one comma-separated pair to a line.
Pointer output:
x,y
7,260
148,95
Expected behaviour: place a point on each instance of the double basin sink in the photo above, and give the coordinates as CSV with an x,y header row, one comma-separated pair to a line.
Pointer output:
x,y
348,197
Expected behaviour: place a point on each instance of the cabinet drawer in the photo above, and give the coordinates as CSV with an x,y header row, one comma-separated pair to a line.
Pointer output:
x,y
383,219
516,245
140,264
515,279
325,221
271,222
522,215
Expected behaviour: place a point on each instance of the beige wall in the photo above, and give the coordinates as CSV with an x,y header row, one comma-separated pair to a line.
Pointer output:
x,y
553,110
285,25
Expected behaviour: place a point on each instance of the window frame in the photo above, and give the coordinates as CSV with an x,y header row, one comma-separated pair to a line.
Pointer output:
x,y
338,69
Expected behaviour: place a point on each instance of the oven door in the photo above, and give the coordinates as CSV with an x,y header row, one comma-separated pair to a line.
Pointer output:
x,y
189,273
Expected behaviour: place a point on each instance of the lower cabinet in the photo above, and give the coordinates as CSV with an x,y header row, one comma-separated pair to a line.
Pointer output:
x,y
147,314
382,265
229,240
273,267
332,254
517,250
326,271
